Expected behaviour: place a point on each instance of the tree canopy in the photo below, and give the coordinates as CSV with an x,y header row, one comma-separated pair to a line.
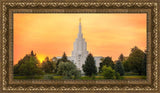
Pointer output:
x,y
68,69
29,65
108,62
63,59
137,59
119,68
121,58
89,67
48,65
127,66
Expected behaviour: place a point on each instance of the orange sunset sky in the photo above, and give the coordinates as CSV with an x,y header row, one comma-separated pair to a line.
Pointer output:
x,y
52,34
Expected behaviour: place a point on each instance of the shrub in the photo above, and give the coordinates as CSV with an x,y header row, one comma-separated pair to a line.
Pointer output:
x,y
68,69
108,72
118,76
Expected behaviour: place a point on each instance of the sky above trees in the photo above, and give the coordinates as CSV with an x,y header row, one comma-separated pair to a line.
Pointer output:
x,y
53,34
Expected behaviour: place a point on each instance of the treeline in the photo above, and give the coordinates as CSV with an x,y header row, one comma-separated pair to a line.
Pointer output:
x,y
135,62
30,66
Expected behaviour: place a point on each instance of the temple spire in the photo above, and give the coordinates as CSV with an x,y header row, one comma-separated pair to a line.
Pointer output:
x,y
80,29
79,20
79,52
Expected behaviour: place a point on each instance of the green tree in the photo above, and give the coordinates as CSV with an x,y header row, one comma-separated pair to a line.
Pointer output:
x,y
109,73
137,59
119,68
108,62
68,69
48,65
63,59
53,64
121,58
16,71
118,75
144,65
28,66
32,53
89,67
127,66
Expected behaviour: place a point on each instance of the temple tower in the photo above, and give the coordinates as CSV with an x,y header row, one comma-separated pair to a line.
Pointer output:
x,y
79,52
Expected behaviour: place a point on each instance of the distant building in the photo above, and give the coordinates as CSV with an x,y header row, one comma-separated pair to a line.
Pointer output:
x,y
80,52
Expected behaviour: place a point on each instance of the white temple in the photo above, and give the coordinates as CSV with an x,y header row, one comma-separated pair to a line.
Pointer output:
x,y
80,52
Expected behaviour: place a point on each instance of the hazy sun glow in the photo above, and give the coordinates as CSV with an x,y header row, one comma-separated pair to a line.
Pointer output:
x,y
41,57
53,34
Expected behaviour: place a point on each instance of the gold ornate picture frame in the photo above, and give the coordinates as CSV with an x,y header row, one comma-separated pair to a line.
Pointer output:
x,y
9,7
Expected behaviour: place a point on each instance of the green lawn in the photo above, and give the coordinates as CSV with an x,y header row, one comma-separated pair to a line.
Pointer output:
x,y
130,74
56,77
134,77
91,78
28,77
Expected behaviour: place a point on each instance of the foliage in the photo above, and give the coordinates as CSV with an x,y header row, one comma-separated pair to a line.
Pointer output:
x,y
89,67
118,76
127,66
32,53
16,67
68,69
108,72
144,65
48,66
108,62
63,59
137,59
119,68
121,58
29,66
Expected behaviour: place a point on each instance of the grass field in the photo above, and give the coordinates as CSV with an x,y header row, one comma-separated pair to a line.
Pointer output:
x,y
134,77
55,77
28,77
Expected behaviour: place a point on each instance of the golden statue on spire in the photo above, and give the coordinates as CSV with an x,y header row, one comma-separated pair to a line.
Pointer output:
x,y
79,20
